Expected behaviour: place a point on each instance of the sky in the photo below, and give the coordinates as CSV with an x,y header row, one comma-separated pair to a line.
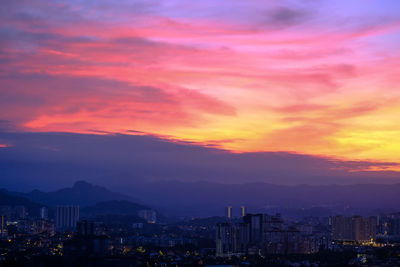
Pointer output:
x,y
123,162
307,77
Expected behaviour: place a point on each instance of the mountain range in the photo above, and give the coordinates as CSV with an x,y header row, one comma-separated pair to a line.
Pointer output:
x,y
9,200
204,199
210,199
81,193
95,201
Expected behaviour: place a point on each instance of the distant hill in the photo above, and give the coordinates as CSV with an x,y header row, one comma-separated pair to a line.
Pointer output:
x,y
208,199
95,201
81,193
120,207
7,199
204,199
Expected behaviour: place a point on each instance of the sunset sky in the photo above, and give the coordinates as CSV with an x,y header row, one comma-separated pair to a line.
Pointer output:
x,y
310,77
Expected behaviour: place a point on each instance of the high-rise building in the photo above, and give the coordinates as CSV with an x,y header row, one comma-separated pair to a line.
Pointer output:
x,y
354,228
85,228
231,239
258,233
370,225
86,242
229,212
282,241
21,212
3,224
259,223
66,217
149,215
7,211
255,222
242,211
389,225
44,213
43,226
223,239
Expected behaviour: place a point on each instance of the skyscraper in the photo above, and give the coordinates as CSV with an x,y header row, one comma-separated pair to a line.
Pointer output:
x,y
260,233
243,211
231,239
44,213
3,224
354,228
85,228
229,212
21,212
66,217
149,215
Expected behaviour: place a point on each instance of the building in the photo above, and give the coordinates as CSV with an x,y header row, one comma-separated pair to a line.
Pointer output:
x,y
229,212
6,211
389,225
137,225
149,215
231,239
370,227
44,213
41,226
66,217
3,225
282,241
255,224
21,212
354,228
242,211
389,228
259,223
86,242
260,234
85,228
318,240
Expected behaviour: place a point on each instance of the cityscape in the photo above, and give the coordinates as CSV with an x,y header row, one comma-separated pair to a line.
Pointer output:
x,y
121,233
211,133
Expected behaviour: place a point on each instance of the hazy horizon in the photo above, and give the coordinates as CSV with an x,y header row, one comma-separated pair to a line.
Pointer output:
x,y
48,161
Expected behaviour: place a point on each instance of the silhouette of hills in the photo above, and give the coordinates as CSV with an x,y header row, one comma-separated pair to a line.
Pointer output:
x,y
7,199
95,201
176,198
81,193
206,198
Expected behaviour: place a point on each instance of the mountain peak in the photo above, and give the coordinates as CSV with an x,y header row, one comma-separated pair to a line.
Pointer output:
x,y
81,193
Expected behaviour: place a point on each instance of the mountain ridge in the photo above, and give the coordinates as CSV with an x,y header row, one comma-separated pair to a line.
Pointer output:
x,y
81,193
186,197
